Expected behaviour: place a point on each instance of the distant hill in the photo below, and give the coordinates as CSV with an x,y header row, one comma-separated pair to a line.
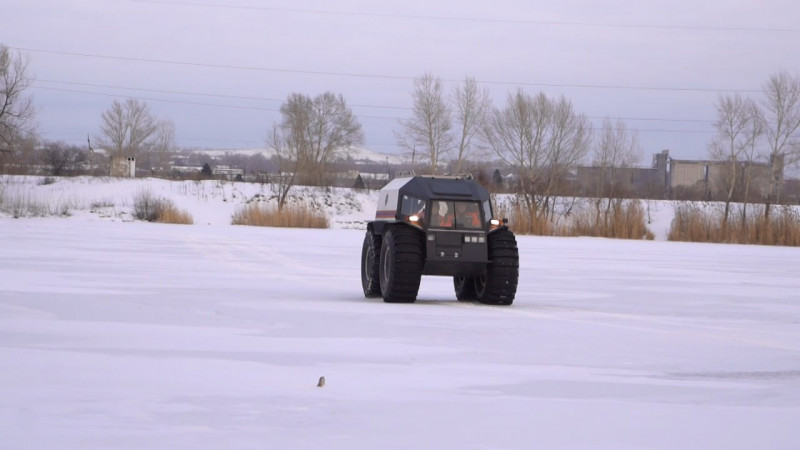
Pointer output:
x,y
356,154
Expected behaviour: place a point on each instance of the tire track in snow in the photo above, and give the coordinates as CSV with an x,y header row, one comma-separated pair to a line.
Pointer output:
x,y
263,259
635,322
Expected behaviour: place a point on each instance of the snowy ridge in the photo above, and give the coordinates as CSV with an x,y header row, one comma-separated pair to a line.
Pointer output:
x,y
360,154
357,154
210,202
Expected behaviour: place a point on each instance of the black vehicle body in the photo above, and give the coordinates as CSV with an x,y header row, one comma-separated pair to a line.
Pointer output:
x,y
446,225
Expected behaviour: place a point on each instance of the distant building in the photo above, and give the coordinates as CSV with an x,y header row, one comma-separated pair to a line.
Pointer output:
x,y
228,172
123,166
650,182
711,179
678,178
186,170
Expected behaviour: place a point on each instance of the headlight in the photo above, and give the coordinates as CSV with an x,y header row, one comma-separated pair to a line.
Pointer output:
x,y
415,220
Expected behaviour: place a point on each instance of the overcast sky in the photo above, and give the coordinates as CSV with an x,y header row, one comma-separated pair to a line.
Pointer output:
x,y
221,69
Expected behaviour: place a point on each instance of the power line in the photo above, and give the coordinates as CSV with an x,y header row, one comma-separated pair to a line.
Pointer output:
x,y
185,102
473,19
654,119
201,94
381,76
245,97
213,66
158,91
362,116
164,91
258,108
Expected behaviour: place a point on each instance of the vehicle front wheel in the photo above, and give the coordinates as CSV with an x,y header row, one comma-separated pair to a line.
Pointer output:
x,y
401,264
498,284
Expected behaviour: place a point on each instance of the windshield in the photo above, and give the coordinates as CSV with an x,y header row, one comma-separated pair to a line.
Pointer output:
x,y
456,215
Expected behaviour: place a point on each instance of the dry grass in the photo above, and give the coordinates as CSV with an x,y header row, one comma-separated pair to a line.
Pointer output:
x,y
695,224
148,207
23,202
624,221
524,221
170,214
295,216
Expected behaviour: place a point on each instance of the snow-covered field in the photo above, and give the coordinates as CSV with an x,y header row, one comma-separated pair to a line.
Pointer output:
x,y
209,202
124,334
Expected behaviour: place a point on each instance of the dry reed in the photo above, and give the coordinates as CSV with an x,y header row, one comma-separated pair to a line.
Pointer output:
x,y
148,207
625,220
695,224
170,214
294,216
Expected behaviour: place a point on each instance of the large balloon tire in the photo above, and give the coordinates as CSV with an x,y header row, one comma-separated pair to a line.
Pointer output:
x,y
401,264
370,265
498,285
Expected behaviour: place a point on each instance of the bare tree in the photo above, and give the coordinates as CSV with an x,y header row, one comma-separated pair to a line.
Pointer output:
x,y
429,127
570,137
128,128
62,158
516,134
734,136
311,134
615,152
781,103
471,107
17,112
541,139
163,145
286,158
754,133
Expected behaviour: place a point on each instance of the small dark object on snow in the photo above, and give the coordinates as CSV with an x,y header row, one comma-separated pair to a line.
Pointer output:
x,y
321,382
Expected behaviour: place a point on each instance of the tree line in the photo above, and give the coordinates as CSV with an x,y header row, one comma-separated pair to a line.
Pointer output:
x,y
748,130
540,138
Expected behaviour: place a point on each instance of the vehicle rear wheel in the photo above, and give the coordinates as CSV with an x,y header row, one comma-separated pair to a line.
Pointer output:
x,y
401,264
498,285
370,265
465,288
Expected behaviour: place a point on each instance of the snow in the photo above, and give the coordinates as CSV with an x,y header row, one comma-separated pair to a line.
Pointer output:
x,y
123,334
365,154
210,202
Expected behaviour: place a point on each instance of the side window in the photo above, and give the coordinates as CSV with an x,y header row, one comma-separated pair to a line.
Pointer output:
x,y
487,210
405,206
412,205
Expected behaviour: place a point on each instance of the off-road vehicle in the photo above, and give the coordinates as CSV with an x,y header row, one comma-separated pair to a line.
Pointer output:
x,y
433,225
